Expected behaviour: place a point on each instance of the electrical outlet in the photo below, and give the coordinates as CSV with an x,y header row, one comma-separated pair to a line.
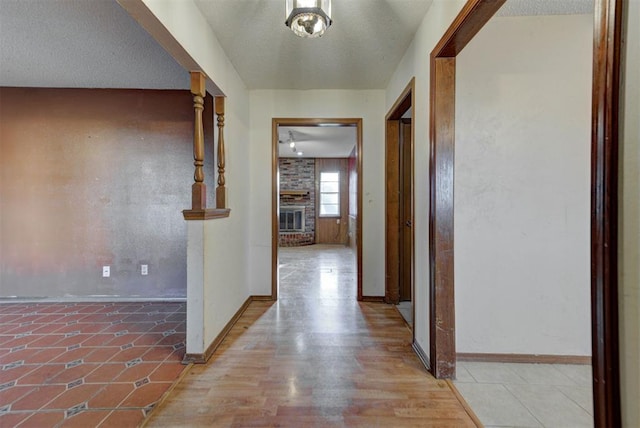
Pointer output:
x,y
144,269
106,271
338,221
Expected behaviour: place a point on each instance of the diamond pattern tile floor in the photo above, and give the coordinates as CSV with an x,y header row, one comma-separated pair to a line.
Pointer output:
x,y
87,364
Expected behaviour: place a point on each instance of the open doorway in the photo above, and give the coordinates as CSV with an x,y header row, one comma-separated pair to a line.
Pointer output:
x,y
604,194
521,220
316,197
399,231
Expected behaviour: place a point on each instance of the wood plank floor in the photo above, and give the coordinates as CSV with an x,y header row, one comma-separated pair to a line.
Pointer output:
x,y
315,358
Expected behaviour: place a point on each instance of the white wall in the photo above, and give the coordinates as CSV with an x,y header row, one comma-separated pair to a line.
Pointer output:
x,y
522,187
365,104
415,62
218,250
629,233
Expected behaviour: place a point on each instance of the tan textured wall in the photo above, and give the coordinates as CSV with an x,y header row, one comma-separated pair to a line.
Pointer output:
x,y
522,177
91,178
629,245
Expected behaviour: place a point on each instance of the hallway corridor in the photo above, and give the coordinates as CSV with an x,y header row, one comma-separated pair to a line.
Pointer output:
x,y
314,358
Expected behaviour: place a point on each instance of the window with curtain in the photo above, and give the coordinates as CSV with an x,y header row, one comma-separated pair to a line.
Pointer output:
x,y
329,194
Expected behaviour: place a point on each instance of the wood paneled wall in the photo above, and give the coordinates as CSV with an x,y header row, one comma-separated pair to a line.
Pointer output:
x,y
333,230
352,166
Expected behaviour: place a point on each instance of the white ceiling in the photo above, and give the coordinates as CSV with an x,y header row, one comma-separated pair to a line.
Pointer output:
x,y
360,50
96,44
546,7
317,141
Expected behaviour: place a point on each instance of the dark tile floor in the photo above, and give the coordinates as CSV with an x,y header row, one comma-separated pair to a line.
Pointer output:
x,y
87,364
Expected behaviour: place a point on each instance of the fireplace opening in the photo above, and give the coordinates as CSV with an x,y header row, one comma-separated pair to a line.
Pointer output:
x,y
292,219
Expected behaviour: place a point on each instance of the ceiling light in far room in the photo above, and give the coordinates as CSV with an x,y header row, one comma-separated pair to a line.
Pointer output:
x,y
308,18
292,143
300,153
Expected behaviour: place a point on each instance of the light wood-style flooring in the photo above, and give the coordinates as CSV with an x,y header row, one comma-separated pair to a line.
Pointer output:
x,y
314,358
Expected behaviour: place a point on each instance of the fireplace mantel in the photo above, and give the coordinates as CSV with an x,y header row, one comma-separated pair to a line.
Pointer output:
x,y
294,193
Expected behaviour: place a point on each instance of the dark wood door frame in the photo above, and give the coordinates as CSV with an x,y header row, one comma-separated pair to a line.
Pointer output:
x,y
607,30
604,197
407,237
393,222
275,226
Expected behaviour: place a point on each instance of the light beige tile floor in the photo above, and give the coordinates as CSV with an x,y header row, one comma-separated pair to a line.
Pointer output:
x,y
527,395
406,311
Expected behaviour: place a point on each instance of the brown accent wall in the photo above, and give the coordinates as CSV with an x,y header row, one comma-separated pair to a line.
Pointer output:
x,y
333,230
91,178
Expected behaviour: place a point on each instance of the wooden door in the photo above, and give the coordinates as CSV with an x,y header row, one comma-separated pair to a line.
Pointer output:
x,y
406,210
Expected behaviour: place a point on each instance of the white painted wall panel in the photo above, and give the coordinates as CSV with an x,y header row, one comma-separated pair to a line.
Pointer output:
x,y
522,187
222,287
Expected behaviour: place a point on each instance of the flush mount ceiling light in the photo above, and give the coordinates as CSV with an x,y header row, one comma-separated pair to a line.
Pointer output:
x,y
292,144
308,18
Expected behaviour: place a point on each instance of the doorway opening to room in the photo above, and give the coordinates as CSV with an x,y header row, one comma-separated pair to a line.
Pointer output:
x,y
526,151
399,231
607,25
317,201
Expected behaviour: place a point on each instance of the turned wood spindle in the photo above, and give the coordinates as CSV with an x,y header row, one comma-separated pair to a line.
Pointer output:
x,y
198,189
221,191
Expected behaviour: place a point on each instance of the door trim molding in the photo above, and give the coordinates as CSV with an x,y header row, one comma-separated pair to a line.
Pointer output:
x,y
473,16
604,197
275,122
393,223
607,30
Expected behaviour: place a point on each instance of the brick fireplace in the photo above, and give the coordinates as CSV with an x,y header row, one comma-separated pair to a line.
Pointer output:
x,y
297,202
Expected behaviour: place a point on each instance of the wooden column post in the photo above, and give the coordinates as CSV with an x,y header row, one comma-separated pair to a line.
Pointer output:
x,y
608,21
221,191
198,189
473,16
442,308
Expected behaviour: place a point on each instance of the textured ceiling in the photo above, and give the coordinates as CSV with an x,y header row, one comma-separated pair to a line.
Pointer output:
x,y
318,141
81,43
546,7
96,44
360,50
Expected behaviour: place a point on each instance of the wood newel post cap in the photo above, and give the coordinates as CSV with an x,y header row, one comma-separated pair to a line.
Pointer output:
x,y
198,83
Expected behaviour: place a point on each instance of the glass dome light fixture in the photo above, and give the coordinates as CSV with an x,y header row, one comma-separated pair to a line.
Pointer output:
x,y
308,18
292,144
